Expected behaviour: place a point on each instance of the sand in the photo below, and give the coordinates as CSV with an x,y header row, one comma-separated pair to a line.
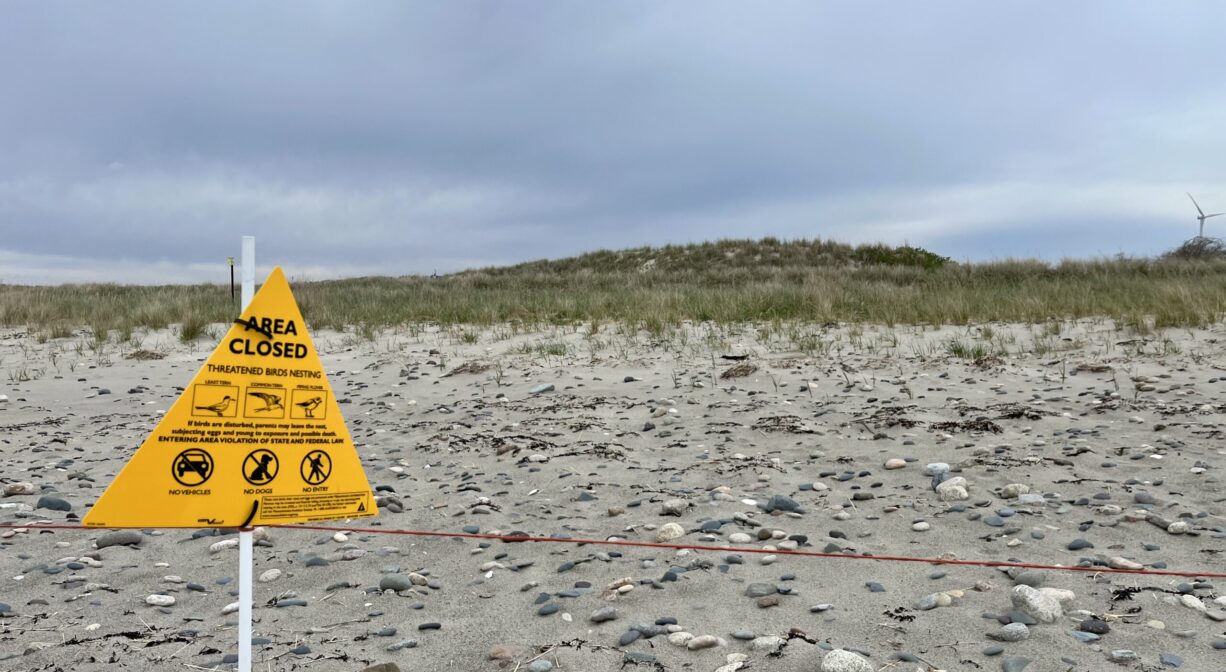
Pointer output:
x,y
1099,423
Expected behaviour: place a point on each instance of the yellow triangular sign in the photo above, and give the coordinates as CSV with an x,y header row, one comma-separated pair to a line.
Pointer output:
x,y
256,438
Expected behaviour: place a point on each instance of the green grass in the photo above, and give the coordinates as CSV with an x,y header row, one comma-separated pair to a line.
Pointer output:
x,y
656,288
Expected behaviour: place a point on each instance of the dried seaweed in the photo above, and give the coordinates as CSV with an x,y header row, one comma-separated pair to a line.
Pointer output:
x,y
739,371
783,423
891,416
144,355
475,366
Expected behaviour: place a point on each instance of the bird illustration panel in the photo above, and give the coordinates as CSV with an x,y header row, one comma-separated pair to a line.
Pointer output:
x,y
215,401
265,402
308,404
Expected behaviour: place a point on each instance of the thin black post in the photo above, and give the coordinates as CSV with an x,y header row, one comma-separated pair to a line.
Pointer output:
x,y
231,260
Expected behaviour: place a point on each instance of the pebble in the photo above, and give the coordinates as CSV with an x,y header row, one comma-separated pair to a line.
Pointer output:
x,y
1118,562
954,490
674,507
53,503
1041,606
395,582
1013,632
669,532
1095,626
18,488
1015,664
603,614
760,589
702,642
160,600
119,538
841,660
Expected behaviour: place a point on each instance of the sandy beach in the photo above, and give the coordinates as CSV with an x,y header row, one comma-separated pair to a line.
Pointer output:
x,y
1080,445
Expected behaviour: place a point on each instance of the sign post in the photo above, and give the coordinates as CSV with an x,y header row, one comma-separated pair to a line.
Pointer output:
x,y
256,438
245,541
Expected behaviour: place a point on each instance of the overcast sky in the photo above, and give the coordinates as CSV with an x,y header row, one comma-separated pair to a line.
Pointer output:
x,y
140,140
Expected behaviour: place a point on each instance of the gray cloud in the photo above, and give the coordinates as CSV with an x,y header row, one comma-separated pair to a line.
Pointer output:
x,y
389,137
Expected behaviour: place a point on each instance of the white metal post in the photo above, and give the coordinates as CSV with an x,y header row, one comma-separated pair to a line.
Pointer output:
x,y
245,541
248,269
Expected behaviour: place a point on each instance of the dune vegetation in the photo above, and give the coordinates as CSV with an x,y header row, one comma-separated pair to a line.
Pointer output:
x,y
725,281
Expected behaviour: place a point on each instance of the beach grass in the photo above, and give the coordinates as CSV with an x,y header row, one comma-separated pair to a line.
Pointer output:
x,y
730,281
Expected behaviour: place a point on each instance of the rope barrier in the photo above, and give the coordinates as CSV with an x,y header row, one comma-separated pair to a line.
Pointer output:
x,y
700,547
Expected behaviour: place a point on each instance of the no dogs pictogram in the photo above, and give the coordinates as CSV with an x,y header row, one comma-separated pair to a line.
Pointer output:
x,y
192,467
260,467
316,467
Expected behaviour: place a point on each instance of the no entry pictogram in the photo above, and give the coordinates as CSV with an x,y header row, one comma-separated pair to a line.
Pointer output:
x,y
316,467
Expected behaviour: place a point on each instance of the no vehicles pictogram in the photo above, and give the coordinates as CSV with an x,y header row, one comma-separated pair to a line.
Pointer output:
x,y
192,467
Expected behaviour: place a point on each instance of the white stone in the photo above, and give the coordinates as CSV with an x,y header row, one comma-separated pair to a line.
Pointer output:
x,y
674,507
895,463
1043,608
19,488
270,575
222,545
229,608
1192,602
1118,562
703,642
1064,597
767,643
841,660
1179,527
740,538
679,638
1014,490
669,532
921,526
936,468
954,489
160,600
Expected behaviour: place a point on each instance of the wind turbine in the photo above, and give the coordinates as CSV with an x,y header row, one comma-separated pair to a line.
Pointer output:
x,y
1201,217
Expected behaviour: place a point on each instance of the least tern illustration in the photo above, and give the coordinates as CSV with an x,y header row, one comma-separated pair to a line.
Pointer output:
x,y
219,408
